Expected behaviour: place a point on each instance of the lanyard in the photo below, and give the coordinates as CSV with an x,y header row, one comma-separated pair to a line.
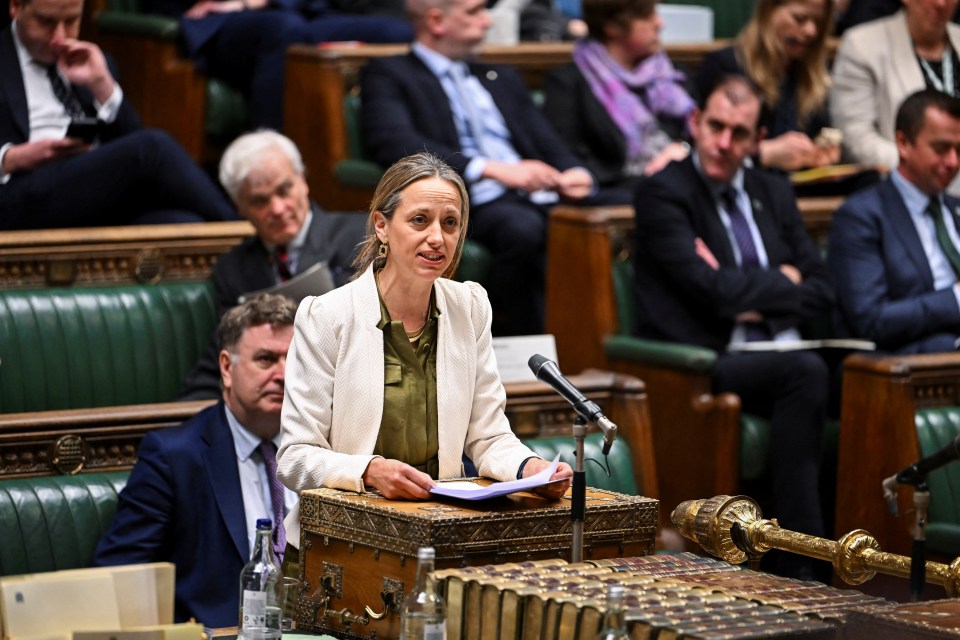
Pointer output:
x,y
946,85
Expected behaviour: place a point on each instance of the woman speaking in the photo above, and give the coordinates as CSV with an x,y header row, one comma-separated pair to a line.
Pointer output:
x,y
391,378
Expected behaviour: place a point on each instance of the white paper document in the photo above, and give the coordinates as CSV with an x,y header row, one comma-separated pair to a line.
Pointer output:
x,y
470,491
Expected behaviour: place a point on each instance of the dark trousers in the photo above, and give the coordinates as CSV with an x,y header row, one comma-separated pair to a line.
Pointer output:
x,y
142,177
249,51
514,230
790,390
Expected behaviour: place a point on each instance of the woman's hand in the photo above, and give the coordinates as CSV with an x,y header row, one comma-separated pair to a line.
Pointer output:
x,y
793,151
673,151
552,491
397,480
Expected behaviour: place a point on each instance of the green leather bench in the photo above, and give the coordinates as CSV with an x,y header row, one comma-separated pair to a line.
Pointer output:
x,y
54,523
69,348
937,427
621,477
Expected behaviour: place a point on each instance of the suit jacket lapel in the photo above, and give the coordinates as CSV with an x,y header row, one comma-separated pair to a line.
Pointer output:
x,y
312,250
705,208
11,81
906,68
764,218
895,211
432,91
223,475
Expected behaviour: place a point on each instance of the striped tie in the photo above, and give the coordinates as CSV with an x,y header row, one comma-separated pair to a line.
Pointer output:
x,y
749,258
935,211
64,94
269,452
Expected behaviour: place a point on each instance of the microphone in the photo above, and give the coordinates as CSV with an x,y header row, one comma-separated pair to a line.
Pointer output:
x,y
547,371
915,472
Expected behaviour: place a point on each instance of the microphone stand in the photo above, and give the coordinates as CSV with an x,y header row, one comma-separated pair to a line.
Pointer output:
x,y
918,553
578,499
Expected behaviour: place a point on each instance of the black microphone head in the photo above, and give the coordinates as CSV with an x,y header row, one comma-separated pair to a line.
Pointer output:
x,y
536,363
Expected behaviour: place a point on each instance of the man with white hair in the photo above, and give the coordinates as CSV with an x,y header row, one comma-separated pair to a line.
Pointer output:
x,y
263,174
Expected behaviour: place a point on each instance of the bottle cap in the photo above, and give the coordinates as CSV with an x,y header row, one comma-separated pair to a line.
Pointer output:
x,y
264,523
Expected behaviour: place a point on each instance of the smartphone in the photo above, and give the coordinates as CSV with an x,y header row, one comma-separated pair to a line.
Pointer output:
x,y
84,128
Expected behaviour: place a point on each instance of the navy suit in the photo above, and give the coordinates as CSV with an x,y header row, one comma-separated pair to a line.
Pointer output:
x,y
883,279
248,49
405,110
134,175
183,504
332,238
680,298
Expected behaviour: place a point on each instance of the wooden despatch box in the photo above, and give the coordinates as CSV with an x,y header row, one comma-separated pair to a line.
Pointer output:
x,y
358,552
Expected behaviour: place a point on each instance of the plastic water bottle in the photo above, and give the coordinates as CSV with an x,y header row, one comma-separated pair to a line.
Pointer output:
x,y
423,615
260,598
615,621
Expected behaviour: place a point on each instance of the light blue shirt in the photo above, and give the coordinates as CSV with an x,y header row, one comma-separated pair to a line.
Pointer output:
x,y
916,202
254,484
495,134
738,335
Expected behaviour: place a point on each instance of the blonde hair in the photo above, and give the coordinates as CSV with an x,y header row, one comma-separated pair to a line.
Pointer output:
x,y
386,199
760,54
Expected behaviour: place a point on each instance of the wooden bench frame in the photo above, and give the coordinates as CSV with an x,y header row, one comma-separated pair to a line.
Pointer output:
x,y
878,436
115,255
47,443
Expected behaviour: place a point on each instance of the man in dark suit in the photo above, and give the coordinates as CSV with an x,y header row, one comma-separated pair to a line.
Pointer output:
x,y
197,490
480,120
722,258
264,175
894,246
244,42
48,78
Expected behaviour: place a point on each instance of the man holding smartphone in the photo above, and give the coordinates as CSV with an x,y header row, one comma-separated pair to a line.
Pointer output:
x,y
112,172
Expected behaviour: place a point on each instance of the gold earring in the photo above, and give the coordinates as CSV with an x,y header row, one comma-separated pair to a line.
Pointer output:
x,y
383,251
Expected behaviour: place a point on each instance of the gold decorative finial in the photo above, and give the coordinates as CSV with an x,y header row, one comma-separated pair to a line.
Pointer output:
x,y
733,529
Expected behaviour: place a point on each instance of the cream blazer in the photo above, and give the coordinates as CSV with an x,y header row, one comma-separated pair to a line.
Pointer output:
x,y
874,71
333,399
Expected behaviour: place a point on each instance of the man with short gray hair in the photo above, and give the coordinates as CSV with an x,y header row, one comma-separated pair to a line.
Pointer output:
x,y
197,490
263,174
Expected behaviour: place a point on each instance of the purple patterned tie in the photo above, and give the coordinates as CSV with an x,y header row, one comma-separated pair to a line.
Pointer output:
x,y
748,254
269,452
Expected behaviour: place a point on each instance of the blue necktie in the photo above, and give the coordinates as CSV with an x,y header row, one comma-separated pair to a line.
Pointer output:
x,y
459,74
749,259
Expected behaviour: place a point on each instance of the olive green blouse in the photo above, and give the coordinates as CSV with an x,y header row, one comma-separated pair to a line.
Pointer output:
x,y
408,429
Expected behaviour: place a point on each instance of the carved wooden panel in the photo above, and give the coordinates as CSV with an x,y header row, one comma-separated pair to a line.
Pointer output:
x,y
115,255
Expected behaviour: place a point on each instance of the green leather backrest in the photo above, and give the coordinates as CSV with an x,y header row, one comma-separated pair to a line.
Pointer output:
x,y
227,114
621,465
936,428
103,346
126,6
623,293
351,117
49,524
